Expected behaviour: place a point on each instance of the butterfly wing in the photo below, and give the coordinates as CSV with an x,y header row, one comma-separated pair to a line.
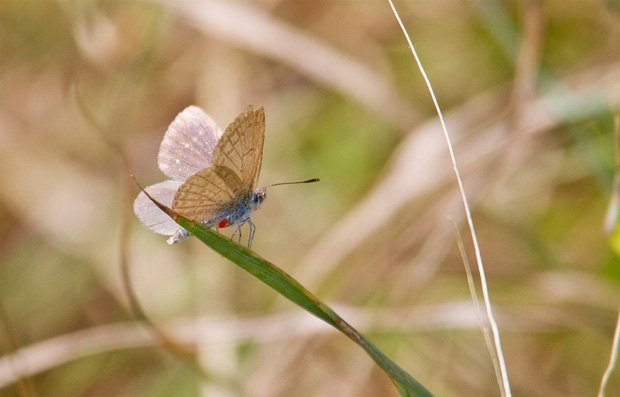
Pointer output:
x,y
209,195
241,147
188,144
150,215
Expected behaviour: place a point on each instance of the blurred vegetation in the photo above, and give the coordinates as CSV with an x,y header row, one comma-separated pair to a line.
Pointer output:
x,y
530,90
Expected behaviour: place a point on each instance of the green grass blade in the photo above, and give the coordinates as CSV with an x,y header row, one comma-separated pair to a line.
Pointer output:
x,y
282,282
286,285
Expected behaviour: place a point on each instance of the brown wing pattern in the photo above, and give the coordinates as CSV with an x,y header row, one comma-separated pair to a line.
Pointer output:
x,y
208,194
241,147
257,144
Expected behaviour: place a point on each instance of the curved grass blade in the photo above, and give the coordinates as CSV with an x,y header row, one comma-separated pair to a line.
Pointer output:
x,y
286,285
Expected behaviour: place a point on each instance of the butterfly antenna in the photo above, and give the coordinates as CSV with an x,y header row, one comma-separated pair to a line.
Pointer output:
x,y
294,183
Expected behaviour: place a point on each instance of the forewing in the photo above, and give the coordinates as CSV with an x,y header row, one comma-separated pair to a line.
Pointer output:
x,y
188,144
208,195
241,146
150,215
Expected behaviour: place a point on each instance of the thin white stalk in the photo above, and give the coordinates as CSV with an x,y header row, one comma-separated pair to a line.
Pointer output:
x,y
474,296
612,359
485,290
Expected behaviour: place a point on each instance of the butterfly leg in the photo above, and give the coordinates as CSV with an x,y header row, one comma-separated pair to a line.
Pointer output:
x,y
238,230
252,231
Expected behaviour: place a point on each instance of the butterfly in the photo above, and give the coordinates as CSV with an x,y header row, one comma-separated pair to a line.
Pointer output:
x,y
213,174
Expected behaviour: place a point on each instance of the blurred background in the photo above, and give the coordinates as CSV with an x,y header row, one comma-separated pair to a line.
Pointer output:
x,y
529,90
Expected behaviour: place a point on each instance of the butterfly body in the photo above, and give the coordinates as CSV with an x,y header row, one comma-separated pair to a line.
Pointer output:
x,y
237,214
240,212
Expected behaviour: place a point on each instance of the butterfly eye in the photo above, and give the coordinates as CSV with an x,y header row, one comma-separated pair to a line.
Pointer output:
x,y
259,196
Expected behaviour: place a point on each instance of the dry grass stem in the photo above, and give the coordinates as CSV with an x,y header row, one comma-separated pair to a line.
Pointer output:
x,y
485,292
278,328
612,358
255,30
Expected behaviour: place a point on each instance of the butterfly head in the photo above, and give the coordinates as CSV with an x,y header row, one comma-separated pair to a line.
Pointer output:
x,y
258,197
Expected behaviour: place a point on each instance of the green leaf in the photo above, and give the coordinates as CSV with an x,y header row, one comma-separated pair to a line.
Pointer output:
x,y
286,285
